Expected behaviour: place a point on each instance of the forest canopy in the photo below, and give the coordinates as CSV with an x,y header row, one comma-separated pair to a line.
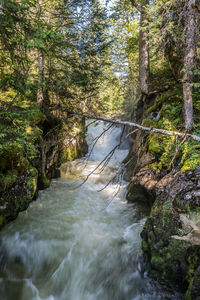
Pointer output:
x,y
101,56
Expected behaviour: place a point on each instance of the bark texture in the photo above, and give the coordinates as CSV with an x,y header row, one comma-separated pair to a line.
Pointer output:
x,y
143,50
40,92
189,62
143,47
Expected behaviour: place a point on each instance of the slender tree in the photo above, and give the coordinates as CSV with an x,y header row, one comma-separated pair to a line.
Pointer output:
x,y
143,46
40,91
190,45
143,50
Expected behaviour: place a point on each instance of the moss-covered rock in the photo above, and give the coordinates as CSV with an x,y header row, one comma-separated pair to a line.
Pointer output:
x,y
74,144
137,193
171,235
70,153
32,148
194,284
170,257
168,168
154,144
43,181
18,197
165,256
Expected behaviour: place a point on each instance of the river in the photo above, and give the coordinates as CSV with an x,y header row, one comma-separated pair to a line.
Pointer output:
x,y
76,243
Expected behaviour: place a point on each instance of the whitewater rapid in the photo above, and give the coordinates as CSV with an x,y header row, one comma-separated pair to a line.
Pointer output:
x,y
75,243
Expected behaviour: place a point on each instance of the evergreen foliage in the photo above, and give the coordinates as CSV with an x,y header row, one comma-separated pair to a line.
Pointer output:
x,y
89,61
71,38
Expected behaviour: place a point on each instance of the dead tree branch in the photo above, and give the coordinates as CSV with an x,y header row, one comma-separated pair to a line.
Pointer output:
x,y
176,152
90,123
143,128
105,161
95,142
132,132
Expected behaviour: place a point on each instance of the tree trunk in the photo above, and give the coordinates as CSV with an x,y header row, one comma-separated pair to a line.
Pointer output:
x,y
189,61
40,92
143,51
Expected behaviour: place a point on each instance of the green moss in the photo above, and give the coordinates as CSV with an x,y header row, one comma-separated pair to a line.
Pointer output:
x,y
166,259
169,102
19,140
33,172
147,122
172,111
191,156
74,131
32,180
164,253
154,144
18,135
7,179
169,256
157,260
2,220
187,295
164,147
37,117
70,154
145,246
191,164
33,132
43,181
193,261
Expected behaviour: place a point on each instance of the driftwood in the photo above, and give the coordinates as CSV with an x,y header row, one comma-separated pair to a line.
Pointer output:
x,y
140,127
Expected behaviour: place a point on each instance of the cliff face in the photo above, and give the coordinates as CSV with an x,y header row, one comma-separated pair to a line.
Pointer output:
x,y
31,154
171,235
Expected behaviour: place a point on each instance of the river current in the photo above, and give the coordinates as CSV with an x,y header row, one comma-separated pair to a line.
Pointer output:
x,y
76,243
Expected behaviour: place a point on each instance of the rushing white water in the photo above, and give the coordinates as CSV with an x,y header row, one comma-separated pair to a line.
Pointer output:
x,y
77,243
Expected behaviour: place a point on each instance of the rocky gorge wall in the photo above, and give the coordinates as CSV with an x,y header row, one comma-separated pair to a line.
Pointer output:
x,y
171,235
32,148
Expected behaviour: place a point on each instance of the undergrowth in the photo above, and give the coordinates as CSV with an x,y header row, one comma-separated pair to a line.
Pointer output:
x,y
18,134
170,151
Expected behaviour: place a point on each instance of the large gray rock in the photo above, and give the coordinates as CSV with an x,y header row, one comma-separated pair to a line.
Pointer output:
x,y
171,235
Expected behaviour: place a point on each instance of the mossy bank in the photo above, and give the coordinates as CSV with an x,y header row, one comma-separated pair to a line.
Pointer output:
x,y
165,174
32,147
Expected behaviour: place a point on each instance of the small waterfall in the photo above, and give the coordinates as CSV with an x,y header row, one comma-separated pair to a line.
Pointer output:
x,y
78,243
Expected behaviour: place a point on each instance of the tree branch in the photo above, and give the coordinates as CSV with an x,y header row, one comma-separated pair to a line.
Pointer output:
x,y
101,166
140,127
95,142
136,5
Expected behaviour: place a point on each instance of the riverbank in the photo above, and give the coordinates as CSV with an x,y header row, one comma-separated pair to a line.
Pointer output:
x,y
75,242
165,175
32,147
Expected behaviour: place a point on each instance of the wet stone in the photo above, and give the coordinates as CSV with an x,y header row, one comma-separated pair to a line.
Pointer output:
x,y
197,172
188,196
197,193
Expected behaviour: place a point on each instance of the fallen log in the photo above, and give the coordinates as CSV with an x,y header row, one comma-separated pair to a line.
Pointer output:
x,y
140,127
